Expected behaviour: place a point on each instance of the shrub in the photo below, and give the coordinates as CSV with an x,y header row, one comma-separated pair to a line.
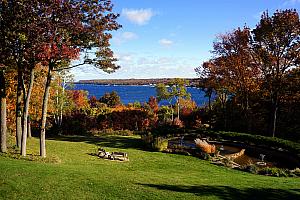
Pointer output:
x,y
111,99
112,132
274,171
160,144
296,172
155,142
250,168
147,138
178,122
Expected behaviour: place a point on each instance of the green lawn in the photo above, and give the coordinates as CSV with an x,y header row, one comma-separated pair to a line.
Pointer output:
x,y
147,175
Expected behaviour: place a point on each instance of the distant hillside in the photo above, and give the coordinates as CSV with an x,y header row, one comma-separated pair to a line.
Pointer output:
x,y
193,81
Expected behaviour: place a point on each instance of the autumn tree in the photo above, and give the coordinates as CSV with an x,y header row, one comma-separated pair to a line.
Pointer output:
x,y
253,67
233,57
20,36
28,35
79,98
232,66
207,82
212,80
153,104
11,51
5,54
71,27
276,43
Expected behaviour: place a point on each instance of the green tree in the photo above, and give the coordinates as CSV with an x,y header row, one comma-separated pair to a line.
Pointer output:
x,y
174,90
63,80
111,99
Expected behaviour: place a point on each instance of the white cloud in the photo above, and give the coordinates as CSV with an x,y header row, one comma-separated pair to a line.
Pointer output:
x,y
166,42
124,37
138,16
129,35
142,65
155,61
125,58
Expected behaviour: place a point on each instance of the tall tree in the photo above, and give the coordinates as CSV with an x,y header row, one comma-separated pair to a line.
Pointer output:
x,y
207,81
236,66
240,75
276,42
3,126
62,80
7,36
71,27
19,36
212,79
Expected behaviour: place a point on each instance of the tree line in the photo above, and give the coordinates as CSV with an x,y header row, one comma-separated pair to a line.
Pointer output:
x,y
254,74
48,34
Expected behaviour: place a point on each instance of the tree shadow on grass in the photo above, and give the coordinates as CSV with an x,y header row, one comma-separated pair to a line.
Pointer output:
x,y
231,193
119,142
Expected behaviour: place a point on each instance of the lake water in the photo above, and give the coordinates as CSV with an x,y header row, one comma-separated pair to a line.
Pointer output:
x,y
133,93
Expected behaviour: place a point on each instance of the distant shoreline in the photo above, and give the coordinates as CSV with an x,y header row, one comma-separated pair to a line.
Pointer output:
x,y
155,81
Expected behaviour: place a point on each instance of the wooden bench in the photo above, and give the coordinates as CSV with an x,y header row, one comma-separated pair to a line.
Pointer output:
x,y
119,156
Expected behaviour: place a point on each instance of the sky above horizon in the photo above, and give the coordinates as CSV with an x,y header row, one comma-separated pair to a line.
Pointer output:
x,y
169,38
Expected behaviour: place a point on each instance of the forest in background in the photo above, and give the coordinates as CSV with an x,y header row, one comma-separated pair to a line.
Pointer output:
x,y
150,81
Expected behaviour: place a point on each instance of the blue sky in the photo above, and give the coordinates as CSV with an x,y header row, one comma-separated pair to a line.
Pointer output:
x,y
169,38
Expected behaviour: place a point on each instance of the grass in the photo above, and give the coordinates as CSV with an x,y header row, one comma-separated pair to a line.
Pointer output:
x,y
148,175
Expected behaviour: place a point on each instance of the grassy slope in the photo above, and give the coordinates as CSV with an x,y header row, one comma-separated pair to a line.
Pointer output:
x,y
148,175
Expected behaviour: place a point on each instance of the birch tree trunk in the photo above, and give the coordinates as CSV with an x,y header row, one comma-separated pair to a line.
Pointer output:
x,y
19,110
44,113
25,114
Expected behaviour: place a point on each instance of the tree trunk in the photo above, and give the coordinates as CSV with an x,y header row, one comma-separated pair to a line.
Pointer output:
x,y
246,111
25,116
209,103
275,102
3,127
29,127
178,108
274,123
19,110
44,113
209,109
223,103
172,116
56,114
